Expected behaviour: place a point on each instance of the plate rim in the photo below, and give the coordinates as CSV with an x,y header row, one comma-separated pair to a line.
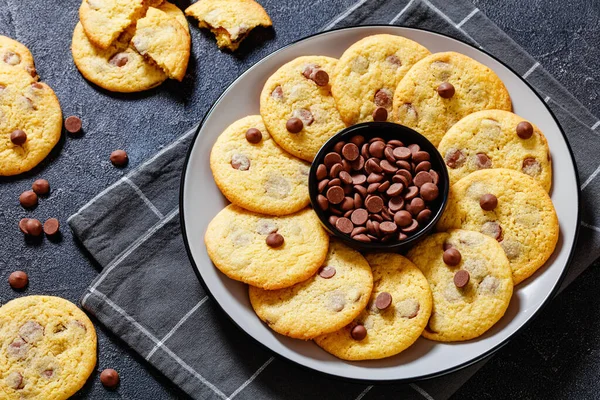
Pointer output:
x,y
424,377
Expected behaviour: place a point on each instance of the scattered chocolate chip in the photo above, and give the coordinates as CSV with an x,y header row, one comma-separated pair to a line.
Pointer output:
x,y
28,199
455,158
323,202
359,216
488,202
376,148
320,77
383,300
359,332
383,98
350,151
253,136
461,278
51,226
119,60
531,166
374,204
109,378
524,130
18,137
33,227
493,229
422,178
344,225
429,191
73,124
380,114
119,158
23,225
326,272
331,159
277,93
424,216
388,227
41,187
274,240
483,161
18,280
446,90
335,195
452,257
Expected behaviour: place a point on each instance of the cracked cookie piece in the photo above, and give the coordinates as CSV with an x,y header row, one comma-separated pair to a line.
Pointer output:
x,y
496,139
367,74
253,172
512,208
48,348
443,88
104,20
265,251
471,281
325,303
297,106
14,55
30,123
161,38
229,20
394,318
118,68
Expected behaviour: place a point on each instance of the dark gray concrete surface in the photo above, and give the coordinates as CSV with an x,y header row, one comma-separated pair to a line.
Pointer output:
x,y
556,357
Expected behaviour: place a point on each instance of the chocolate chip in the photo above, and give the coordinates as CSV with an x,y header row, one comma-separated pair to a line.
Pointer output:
x,y
73,125
395,189
358,179
429,191
396,203
424,216
374,204
435,176
414,148
321,172
372,166
380,114
402,153
23,225
422,178
524,130
374,178
361,189
18,137
335,195
320,77
335,170
393,59
294,125
332,219
15,380
305,116
41,187
358,140
347,204
274,240
277,93
344,225
359,216
461,278
331,159
383,186
388,167
322,202
414,225
383,98
119,158
388,227
253,136
420,156
51,226
119,60
493,229
358,231
383,300
109,378
531,166
28,199
483,161
423,166
376,149
411,193
350,151
362,238
18,280
445,90
451,257
488,202
455,158
33,227
403,218
359,332
345,177
415,206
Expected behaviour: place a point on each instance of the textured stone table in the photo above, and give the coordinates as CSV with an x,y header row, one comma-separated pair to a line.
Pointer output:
x,y
560,346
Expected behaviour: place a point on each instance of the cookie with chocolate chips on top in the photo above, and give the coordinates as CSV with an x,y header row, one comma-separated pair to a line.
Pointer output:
x,y
265,251
297,106
512,208
253,172
48,348
441,89
367,74
14,55
471,281
496,139
395,317
324,303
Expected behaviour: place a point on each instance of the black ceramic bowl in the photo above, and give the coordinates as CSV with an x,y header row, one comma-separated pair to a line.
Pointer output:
x,y
387,131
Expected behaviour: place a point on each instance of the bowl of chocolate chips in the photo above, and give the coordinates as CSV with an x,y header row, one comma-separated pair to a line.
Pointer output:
x,y
378,186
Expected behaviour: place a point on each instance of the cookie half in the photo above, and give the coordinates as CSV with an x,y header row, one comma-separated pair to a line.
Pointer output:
x,y
48,348
229,20
34,109
261,176
465,312
368,72
14,55
324,303
496,139
161,38
298,108
395,316
443,88
245,246
518,213
118,68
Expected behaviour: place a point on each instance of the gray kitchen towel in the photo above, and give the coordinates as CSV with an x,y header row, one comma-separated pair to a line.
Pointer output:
x,y
148,294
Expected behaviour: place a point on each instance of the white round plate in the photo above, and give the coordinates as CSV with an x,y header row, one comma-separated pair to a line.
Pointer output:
x,y
201,201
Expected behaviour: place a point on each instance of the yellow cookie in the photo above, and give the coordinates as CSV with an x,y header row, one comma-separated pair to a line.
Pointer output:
x,y
119,68
259,177
33,109
16,56
490,139
395,317
324,303
174,12
104,20
422,103
369,71
47,348
239,244
292,93
463,311
161,38
523,221
229,20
